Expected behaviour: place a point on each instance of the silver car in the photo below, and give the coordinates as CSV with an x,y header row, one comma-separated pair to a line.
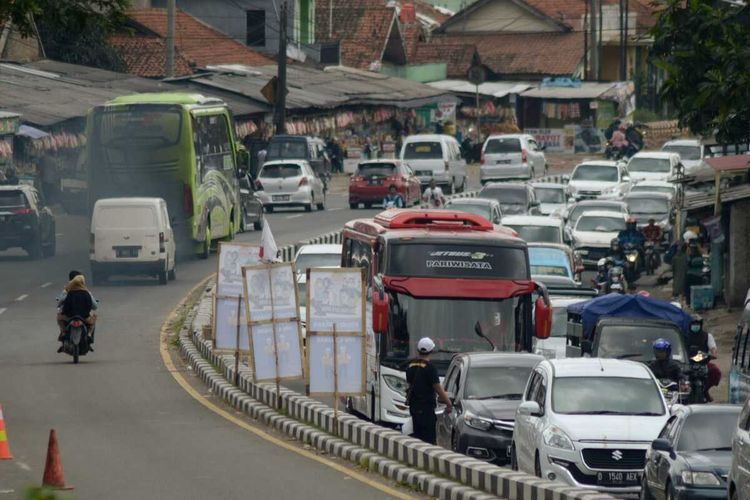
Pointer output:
x,y
511,156
285,183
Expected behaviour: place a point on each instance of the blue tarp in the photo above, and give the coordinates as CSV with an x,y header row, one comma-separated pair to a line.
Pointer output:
x,y
628,306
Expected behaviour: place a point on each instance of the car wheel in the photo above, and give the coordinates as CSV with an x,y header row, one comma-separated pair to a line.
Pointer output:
x,y
353,206
368,205
309,206
537,466
321,206
645,492
258,225
513,457
454,442
35,249
734,495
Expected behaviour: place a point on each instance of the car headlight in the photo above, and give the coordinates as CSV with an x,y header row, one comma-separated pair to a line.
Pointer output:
x,y
556,438
397,384
700,478
477,422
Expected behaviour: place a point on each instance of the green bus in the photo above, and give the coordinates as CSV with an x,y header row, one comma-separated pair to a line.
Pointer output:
x,y
177,146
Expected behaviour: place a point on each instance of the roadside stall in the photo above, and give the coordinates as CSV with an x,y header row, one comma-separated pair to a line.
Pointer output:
x,y
9,123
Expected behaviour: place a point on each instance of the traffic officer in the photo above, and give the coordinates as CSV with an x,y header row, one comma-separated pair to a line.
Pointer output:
x,y
424,384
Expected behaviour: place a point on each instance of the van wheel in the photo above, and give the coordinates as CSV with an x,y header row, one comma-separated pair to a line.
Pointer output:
x,y
172,274
368,205
163,278
51,249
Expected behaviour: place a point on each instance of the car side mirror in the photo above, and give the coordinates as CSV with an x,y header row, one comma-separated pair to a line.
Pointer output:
x,y
530,409
625,178
243,158
586,346
662,444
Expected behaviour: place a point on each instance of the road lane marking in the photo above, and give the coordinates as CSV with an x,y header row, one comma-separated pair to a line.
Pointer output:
x,y
46,284
21,297
3,309
182,382
294,216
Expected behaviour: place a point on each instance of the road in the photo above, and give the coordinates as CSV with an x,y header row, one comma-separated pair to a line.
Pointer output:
x,y
126,429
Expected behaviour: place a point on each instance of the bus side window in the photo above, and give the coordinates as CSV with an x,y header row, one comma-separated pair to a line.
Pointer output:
x,y
212,143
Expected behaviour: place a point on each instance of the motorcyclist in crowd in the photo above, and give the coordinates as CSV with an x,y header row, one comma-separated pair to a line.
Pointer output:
x,y
602,275
393,199
76,300
701,340
611,129
631,234
634,137
619,141
433,196
663,366
652,232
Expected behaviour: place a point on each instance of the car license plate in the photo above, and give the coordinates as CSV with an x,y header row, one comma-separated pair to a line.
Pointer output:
x,y
423,173
502,162
281,197
618,478
376,182
124,252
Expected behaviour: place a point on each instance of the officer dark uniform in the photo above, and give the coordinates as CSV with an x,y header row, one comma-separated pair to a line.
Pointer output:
x,y
424,385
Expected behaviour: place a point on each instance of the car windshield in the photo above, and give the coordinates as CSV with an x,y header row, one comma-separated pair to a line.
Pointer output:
x,y
280,171
12,199
547,195
579,210
600,224
497,382
287,150
604,173
504,195
635,342
647,206
376,170
689,153
652,189
606,396
649,165
423,151
708,431
537,234
503,145
307,260
450,323
472,208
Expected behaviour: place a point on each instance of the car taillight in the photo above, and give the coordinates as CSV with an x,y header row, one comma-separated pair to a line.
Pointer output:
x,y
524,156
187,200
258,185
162,248
481,158
303,182
23,211
358,178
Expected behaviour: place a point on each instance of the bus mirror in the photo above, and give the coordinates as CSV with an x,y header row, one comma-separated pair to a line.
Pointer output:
x,y
542,318
380,311
243,158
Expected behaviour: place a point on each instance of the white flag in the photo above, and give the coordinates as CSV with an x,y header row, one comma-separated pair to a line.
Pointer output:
x,y
268,250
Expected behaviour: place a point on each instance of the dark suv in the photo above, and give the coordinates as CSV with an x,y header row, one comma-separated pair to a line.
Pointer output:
x,y
26,222
300,147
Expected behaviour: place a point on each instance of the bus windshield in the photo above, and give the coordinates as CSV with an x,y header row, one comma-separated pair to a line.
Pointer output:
x,y
451,324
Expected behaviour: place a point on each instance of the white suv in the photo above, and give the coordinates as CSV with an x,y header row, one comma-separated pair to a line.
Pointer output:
x,y
511,156
588,422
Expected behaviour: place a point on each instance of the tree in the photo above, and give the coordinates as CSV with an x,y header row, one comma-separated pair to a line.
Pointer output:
x,y
74,31
704,48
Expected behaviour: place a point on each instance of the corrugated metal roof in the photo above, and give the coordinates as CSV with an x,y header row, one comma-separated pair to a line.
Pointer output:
x,y
50,92
587,90
729,163
332,87
494,89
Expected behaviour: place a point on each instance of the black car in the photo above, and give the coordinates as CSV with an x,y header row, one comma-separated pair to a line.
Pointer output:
x,y
486,389
692,456
26,222
252,207
514,199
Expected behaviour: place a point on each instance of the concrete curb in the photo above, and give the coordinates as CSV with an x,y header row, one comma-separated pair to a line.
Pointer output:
x,y
401,457
191,347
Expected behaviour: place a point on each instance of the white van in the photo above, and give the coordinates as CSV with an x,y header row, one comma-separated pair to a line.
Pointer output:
x,y
436,156
131,236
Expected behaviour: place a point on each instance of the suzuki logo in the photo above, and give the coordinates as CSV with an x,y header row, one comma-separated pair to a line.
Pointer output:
x,y
617,455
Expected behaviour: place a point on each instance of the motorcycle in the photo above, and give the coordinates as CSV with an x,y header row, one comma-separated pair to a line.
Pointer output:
x,y
632,264
674,393
698,374
76,340
616,280
652,257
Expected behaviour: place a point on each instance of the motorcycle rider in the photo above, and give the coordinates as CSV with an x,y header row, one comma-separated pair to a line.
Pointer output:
x,y
76,300
700,340
601,280
663,366
652,232
393,199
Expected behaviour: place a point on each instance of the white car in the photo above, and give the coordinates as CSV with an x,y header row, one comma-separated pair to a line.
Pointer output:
x,y
574,211
290,183
511,156
537,228
593,234
588,422
311,256
692,152
436,157
653,166
553,347
595,179
552,197
655,187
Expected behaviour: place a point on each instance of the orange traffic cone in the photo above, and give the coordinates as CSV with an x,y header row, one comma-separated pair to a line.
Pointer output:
x,y
4,448
53,469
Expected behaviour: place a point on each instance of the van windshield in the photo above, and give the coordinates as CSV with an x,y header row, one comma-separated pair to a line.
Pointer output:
x,y
423,151
126,217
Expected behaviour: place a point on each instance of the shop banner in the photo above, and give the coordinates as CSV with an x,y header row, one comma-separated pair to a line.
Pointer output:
x,y
553,139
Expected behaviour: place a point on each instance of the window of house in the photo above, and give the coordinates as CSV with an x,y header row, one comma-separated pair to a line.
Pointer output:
x,y
256,28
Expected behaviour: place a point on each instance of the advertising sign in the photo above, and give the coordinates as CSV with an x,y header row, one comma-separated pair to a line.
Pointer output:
x,y
287,346
553,139
335,297
271,293
232,258
350,364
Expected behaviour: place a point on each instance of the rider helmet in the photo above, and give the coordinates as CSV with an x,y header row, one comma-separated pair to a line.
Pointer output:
x,y
631,222
662,345
614,244
689,235
601,263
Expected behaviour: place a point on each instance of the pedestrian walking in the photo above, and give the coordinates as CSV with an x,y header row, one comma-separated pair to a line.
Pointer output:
x,y
424,385
433,196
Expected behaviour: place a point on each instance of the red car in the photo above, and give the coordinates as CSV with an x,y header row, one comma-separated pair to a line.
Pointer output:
x,y
371,181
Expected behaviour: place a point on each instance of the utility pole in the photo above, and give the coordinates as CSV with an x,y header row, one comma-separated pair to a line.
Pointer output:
x,y
169,69
586,24
625,40
623,76
594,39
281,75
330,20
